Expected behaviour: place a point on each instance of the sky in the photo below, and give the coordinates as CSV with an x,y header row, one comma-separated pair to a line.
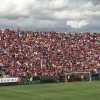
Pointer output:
x,y
51,15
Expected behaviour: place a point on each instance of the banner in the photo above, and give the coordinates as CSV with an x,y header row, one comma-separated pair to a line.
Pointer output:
x,y
9,80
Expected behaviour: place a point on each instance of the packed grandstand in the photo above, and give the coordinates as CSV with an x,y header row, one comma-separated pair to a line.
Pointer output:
x,y
26,54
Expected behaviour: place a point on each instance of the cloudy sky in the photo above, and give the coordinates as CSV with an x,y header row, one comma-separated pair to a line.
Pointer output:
x,y
51,15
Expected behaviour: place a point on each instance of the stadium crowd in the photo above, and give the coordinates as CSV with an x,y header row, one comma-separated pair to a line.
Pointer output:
x,y
48,53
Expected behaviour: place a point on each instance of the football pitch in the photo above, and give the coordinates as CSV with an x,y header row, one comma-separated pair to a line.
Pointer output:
x,y
53,91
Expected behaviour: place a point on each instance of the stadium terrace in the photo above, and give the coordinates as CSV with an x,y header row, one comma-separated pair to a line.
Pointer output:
x,y
49,55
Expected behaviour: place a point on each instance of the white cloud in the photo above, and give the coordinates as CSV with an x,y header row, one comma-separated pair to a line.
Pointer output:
x,y
68,14
57,3
15,7
77,23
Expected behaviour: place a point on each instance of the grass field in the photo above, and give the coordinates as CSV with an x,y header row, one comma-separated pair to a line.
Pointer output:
x,y
59,91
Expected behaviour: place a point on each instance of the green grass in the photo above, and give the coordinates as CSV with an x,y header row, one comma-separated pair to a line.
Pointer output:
x,y
59,91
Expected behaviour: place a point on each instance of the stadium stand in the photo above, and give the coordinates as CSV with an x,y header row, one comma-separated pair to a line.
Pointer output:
x,y
27,54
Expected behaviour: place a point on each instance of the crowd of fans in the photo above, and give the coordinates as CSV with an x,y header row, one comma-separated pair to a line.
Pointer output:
x,y
48,53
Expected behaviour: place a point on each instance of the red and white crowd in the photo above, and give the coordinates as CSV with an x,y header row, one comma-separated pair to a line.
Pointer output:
x,y
48,53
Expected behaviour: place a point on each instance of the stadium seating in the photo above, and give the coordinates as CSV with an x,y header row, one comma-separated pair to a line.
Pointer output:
x,y
48,53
